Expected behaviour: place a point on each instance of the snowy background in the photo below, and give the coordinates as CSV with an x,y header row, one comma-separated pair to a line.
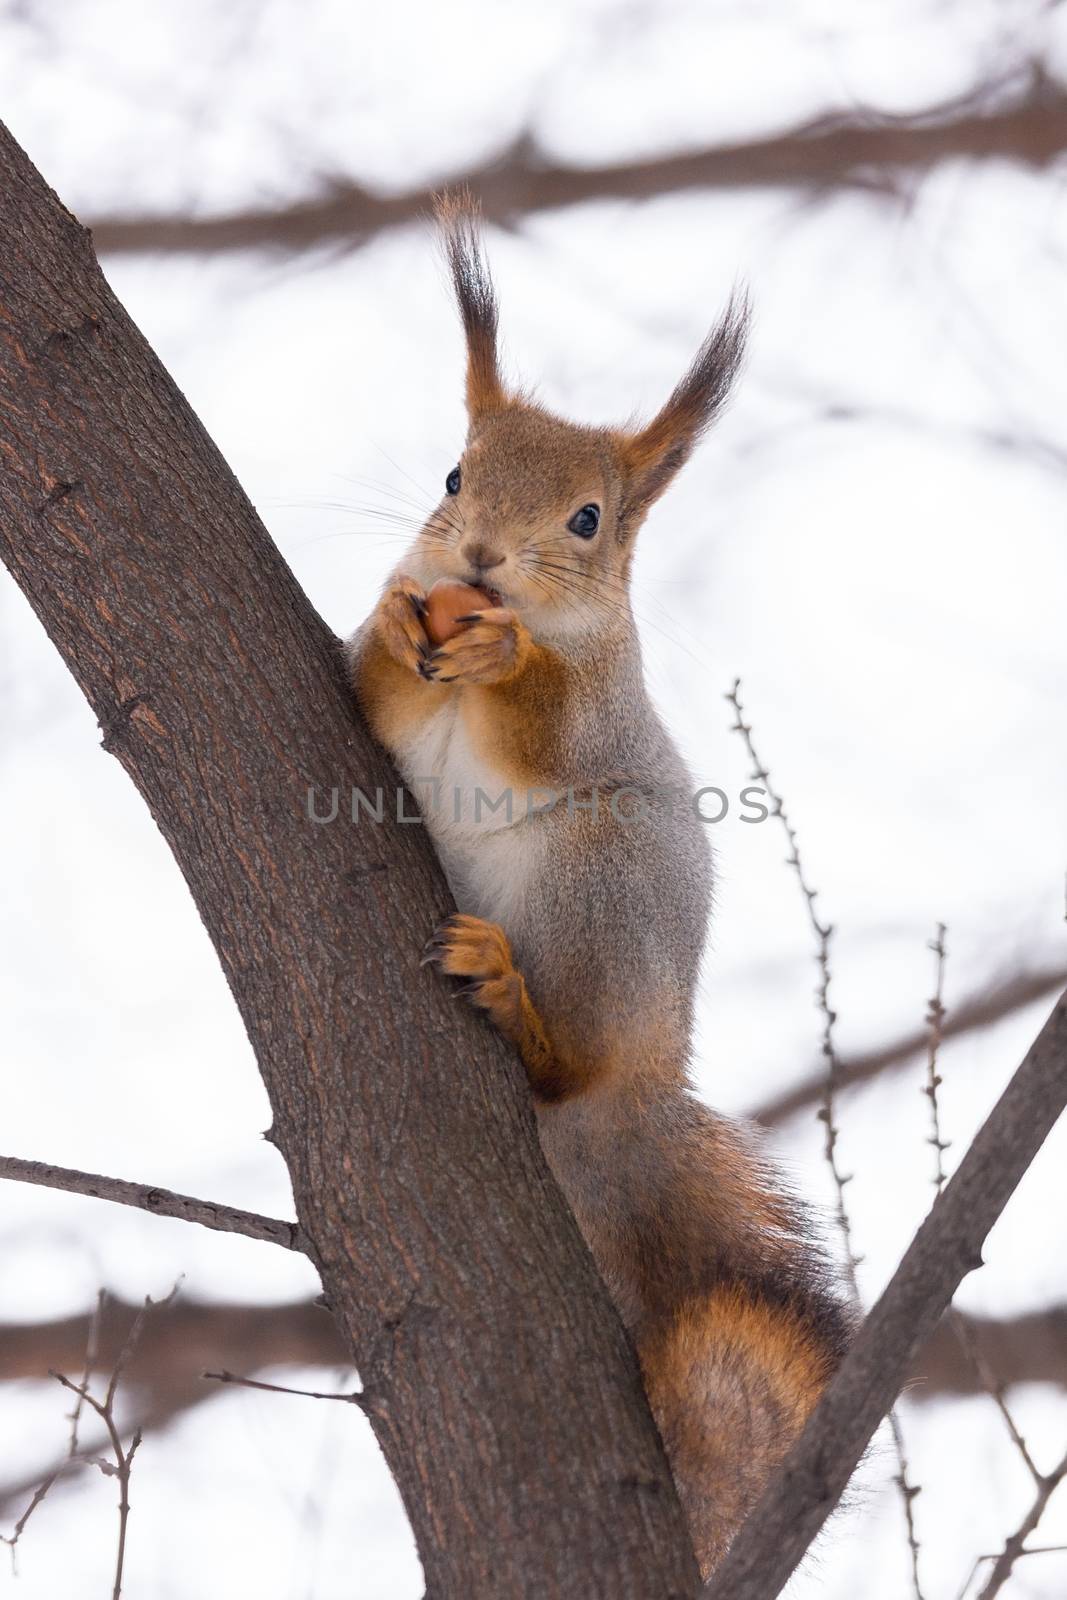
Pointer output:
x,y
873,540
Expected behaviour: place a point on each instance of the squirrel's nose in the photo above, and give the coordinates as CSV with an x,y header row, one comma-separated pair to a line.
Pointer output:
x,y
482,557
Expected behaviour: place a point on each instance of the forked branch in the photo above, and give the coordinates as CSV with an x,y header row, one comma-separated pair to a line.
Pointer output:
x,y
813,1477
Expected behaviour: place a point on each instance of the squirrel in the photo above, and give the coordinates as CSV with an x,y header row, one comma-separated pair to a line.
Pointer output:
x,y
580,926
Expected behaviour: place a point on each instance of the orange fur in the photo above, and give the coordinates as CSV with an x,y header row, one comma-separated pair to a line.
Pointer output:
x,y
726,1367
478,951
579,931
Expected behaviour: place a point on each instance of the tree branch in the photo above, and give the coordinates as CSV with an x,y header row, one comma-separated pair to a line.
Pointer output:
x,y
948,1245
498,1379
163,1202
189,1336
182,1340
863,149
1015,1546
980,1010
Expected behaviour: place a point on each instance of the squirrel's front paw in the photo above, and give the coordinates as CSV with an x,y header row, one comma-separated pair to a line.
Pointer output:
x,y
400,614
470,948
488,649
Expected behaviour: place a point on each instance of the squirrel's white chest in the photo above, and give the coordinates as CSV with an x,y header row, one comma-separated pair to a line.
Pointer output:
x,y
478,824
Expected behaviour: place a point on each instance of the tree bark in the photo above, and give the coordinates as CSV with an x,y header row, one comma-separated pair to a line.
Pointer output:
x,y
498,1380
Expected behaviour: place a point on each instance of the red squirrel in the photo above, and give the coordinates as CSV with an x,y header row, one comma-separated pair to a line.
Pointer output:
x,y
580,925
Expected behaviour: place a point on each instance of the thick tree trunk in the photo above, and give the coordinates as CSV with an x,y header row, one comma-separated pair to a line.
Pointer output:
x,y
499,1382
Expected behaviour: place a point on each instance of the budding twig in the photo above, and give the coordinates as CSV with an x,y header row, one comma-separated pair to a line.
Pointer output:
x,y
827,1114
1045,1484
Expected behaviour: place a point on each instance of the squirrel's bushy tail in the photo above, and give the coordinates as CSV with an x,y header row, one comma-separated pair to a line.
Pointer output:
x,y
720,1278
731,1380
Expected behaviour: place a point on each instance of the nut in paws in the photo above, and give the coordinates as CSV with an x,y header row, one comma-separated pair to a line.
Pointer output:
x,y
488,649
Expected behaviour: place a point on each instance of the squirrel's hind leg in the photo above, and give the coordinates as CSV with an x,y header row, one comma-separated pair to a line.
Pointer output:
x,y
478,951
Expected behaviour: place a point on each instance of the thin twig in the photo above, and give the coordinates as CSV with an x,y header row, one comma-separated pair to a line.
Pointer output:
x,y
39,1493
1031,1550
935,1025
935,1018
356,1398
993,1388
123,1462
46,1483
908,1492
105,1410
996,1000
91,1343
1045,1484
1015,1546
823,933
149,1197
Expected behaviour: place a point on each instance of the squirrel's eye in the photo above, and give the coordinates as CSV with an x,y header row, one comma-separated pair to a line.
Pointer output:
x,y
453,481
585,522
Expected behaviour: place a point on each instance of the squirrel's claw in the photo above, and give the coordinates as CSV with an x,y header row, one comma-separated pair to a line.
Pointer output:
x,y
488,649
400,618
437,943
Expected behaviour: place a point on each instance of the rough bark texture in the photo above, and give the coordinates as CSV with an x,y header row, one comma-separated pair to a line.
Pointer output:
x,y
813,1476
500,1384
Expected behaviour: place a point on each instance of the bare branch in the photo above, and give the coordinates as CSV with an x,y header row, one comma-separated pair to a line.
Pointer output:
x,y
178,1343
935,1022
39,1493
1031,1348
166,1367
124,1455
355,1398
978,1011
1016,1545
169,1402
105,1409
91,1342
92,1345
947,1246
862,149
148,1197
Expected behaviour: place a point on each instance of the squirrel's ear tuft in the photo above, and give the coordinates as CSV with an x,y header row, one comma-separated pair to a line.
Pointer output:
x,y
652,457
459,218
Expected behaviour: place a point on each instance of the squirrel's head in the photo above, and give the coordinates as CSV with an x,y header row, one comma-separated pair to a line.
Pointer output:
x,y
542,511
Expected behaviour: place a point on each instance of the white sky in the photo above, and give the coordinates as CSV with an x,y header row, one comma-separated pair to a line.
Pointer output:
x,y
890,588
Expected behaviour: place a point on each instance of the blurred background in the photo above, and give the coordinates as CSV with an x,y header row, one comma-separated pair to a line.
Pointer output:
x,y
873,540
